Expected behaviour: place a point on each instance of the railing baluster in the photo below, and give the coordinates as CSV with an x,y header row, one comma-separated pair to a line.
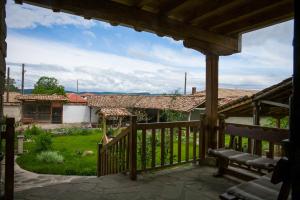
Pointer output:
x,y
202,139
143,159
271,150
240,143
162,147
187,143
153,142
179,145
99,157
127,153
250,146
117,157
171,145
194,143
124,154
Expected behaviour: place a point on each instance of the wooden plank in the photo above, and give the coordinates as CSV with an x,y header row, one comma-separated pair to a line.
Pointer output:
x,y
133,148
194,129
250,146
162,147
240,143
202,138
211,110
153,147
187,143
143,156
171,145
127,152
99,159
179,145
117,157
273,103
9,158
271,150
274,135
141,126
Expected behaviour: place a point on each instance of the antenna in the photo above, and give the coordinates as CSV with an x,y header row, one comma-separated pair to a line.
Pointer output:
x,y
23,73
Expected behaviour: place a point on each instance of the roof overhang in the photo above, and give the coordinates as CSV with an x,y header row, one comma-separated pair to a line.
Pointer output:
x,y
208,26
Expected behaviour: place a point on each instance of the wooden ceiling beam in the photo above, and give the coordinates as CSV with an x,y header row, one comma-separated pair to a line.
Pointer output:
x,y
169,6
133,17
220,9
203,7
245,8
265,17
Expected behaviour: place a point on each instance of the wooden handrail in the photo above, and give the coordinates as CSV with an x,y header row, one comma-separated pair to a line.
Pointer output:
x,y
161,125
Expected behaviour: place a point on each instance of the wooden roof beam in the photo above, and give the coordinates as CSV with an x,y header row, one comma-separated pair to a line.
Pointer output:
x,y
166,8
244,9
265,17
133,17
218,10
273,103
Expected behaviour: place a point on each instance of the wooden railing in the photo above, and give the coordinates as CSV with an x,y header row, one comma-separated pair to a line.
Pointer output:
x,y
114,157
150,146
255,136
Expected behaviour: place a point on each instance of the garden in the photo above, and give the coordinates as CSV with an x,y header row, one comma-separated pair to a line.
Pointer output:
x,y
69,151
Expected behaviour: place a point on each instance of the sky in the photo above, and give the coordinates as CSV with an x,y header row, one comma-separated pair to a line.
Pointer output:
x,y
118,59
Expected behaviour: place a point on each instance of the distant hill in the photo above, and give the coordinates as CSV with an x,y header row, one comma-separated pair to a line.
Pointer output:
x,y
29,91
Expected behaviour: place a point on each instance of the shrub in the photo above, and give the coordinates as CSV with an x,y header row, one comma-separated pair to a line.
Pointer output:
x,y
110,132
50,157
43,142
32,131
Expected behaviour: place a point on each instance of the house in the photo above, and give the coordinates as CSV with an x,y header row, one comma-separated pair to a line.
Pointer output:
x,y
272,101
75,110
41,108
12,106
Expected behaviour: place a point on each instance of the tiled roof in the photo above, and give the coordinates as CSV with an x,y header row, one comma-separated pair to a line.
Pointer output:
x,y
111,112
41,97
12,97
113,101
227,95
279,93
177,103
75,98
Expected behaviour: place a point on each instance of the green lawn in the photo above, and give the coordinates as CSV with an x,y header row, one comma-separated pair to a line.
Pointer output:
x,y
71,147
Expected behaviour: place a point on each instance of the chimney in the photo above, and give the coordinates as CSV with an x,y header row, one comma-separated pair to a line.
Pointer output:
x,y
193,90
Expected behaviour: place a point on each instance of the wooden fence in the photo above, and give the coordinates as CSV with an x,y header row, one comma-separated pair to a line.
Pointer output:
x,y
150,146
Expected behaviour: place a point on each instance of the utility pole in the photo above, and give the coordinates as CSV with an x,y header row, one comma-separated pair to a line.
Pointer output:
x,y
77,90
185,74
23,73
7,85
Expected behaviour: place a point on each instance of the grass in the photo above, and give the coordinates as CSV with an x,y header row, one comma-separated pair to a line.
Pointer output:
x,y
71,148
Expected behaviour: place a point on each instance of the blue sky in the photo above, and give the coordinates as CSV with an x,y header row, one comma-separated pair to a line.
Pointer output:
x,y
115,58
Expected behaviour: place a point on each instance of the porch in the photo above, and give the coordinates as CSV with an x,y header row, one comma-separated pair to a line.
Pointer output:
x,y
185,182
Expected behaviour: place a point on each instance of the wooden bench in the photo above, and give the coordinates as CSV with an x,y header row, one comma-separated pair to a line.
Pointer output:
x,y
268,187
248,160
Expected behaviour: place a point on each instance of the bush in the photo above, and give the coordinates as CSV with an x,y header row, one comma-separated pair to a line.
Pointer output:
x,y
50,157
32,131
43,142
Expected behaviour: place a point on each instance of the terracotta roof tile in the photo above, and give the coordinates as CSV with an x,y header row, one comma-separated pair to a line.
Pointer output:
x,y
177,103
12,97
75,98
41,97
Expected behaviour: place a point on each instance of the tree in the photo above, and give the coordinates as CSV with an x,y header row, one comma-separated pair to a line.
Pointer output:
x,y
11,86
48,85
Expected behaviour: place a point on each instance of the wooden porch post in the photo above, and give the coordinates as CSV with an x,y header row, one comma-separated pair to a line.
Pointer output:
x,y
133,148
211,110
294,142
104,124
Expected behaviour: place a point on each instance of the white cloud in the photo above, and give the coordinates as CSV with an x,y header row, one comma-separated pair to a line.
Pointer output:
x,y
27,16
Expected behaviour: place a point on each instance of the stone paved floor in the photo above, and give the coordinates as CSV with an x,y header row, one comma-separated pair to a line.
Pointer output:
x,y
184,182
